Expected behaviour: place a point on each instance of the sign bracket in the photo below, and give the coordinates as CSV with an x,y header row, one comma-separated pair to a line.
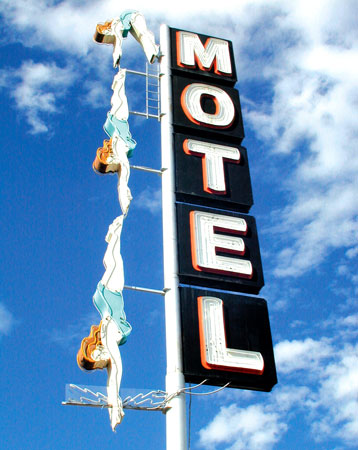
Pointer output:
x,y
148,169
150,291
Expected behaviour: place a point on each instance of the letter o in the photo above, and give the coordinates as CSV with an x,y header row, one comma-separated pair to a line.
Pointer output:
x,y
191,104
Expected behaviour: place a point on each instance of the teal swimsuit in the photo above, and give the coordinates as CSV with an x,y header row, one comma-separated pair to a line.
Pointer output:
x,y
126,18
111,303
122,128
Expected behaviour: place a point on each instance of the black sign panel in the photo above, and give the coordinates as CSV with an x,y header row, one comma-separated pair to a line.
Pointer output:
x,y
193,235
195,71
190,176
226,337
233,132
247,328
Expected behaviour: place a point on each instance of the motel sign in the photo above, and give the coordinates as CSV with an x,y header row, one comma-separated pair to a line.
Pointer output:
x,y
217,330
226,336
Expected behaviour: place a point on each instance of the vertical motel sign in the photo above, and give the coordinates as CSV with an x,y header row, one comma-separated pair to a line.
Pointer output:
x,y
225,336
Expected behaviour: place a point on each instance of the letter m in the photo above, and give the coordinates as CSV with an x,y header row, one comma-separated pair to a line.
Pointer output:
x,y
190,51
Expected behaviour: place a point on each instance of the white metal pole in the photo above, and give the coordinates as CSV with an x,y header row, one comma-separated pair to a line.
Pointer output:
x,y
175,416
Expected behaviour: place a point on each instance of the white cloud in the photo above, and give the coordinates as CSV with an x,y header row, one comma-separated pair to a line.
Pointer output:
x,y
337,397
296,355
4,78
69,25
253,427
319,223
352,252
326,397
71,336
7,320
62,25
97,94
153,318
350,321
38,90
289,398
150,200
346,327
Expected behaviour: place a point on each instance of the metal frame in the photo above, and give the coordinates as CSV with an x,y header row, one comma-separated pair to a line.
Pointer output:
x,y
91,396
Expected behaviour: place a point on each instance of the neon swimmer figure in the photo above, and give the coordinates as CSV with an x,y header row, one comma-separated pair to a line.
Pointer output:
x,y
113,156
100,349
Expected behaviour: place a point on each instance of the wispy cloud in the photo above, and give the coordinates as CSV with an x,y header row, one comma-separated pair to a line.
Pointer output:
x,y
7,320
295,355
150,200
308,115
71,336
97,94
37,89
253,427
346,327
337,397
60,25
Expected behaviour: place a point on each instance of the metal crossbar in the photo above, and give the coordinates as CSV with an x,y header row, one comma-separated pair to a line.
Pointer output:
x,y
148,169
142,289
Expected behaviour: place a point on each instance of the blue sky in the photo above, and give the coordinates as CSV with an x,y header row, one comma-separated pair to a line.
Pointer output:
x,y
297,78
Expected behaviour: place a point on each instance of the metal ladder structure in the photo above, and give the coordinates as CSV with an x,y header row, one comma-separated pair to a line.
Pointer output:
x,y
152,92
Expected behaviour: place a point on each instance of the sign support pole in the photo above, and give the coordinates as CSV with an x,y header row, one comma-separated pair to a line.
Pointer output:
x,y
175,416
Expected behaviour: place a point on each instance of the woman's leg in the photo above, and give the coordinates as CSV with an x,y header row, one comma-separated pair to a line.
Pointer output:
x,y
113,277
111,336
120,150
119,100
145,37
